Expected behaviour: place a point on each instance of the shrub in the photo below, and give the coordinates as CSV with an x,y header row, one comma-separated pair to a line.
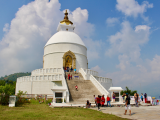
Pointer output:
x,y
48,101
4,99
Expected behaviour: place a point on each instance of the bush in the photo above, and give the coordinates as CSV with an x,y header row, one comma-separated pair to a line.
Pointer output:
x,y
21,101
4,99
48,101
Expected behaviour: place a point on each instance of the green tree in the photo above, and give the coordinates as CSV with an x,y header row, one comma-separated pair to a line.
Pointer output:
x,y
128,91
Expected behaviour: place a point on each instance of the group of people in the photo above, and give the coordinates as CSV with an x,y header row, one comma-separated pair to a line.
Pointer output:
x,y
67,69
100,100
69,76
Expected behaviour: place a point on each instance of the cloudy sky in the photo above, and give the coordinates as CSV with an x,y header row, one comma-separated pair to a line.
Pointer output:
x,y
122,37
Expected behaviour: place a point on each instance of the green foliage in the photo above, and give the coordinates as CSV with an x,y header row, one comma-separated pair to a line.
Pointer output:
x,y
20,93
14,76
49,101
8,89
4,99
21,100
130,92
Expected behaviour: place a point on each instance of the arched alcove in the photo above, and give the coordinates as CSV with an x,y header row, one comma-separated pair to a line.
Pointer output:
x,y
69,59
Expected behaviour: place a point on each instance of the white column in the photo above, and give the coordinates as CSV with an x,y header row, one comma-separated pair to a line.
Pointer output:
x,y
63,98
67,97
119,97
53,97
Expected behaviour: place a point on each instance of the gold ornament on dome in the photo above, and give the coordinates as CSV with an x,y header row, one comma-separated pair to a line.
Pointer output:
x,y
66,20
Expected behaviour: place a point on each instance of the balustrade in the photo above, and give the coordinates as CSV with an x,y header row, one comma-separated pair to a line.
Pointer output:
x,y
46,71
91,72
55,77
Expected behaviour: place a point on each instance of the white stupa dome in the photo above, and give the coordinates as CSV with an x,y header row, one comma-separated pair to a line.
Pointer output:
x,y
65,37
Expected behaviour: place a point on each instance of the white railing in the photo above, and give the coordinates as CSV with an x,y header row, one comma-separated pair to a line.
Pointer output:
x,y
46,71
56,77
66,86
91,72
94,81
103,79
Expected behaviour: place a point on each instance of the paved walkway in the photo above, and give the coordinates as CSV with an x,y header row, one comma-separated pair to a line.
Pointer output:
x,y
137,113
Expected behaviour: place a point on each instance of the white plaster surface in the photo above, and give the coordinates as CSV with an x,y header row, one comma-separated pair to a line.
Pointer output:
x,y
65,37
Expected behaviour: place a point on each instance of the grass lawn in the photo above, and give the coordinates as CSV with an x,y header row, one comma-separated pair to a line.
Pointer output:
x,y
43,111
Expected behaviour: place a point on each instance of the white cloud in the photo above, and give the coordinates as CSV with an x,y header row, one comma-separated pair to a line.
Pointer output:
x,y
99,70
143,76
127,42
21,48
6,27
142,27
132,8
112,21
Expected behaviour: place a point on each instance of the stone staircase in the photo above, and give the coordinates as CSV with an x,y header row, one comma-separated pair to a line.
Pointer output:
x,y
85,92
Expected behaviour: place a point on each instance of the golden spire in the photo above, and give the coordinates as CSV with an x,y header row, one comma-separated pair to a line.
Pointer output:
x,y
66,20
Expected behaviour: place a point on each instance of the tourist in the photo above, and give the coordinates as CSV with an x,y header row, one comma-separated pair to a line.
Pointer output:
x,y
68,76
76,88
142,97
128,106
137,99
99,101
65,69
71,69
145,97
102,101
75,70
108,101
95,99
124,96
71,76
88,104
113,96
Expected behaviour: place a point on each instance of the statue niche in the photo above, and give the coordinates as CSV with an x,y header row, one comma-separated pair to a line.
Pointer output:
x,y
69,60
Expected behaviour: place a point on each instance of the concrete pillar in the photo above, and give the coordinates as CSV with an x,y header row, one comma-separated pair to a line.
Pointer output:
x,y
54,97
111,96
63,97
119,97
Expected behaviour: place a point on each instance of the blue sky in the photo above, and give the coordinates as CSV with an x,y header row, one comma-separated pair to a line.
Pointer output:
x,y
122,37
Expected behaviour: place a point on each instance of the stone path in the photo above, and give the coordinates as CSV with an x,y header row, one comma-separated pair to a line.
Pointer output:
x,y
138,113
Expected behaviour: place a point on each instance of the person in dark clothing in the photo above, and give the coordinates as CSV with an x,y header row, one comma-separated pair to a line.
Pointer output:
x,y
128,106
68,76
88,104
71,69
99,101
145,97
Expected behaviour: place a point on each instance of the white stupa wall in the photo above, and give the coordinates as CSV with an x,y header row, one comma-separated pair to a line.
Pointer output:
x,y
35,87
53,55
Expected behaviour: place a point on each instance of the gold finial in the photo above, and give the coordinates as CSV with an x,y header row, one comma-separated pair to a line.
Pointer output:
x,y
66,20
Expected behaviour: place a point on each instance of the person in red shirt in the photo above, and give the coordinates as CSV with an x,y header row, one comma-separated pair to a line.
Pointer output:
x,y
108,101
99,101
71,76
102,100
76,87
68,76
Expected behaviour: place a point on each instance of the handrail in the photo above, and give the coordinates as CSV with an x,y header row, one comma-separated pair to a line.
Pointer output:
x,y
94,81
66,85
91,72
103,79
100,87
